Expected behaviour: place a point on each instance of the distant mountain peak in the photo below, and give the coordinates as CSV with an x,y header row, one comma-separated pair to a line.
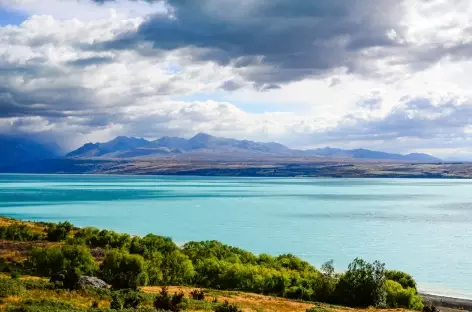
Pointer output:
x,y
208,145
202,136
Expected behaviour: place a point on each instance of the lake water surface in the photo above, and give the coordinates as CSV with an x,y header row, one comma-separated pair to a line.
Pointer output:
x,y
423,227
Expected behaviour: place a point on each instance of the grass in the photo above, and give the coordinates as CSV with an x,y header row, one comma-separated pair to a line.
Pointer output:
x,y
250,302
247,302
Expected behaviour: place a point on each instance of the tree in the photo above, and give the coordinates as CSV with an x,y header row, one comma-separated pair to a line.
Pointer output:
x,y
176,268
362,285
70,262
327,285
405,279
399,297
58,232
123,270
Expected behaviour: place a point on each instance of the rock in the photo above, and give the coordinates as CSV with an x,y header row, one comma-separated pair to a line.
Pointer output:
x,y
90,281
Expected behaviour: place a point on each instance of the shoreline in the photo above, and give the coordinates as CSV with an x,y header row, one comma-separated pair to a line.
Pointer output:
x,y
447,302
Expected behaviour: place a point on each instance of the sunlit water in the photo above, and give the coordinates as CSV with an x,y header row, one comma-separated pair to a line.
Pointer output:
x,y
420,226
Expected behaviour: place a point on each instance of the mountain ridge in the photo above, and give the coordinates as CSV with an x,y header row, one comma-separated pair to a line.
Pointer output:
x,y
202,143
15,149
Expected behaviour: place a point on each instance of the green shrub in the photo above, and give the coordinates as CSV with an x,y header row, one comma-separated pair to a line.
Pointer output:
x,y
11,287
94,238
150,244
66,264
37,284
18,232
166,302
43,306
126,299
122,270
58,232
362,285
399,297
405,279
226,307
176,268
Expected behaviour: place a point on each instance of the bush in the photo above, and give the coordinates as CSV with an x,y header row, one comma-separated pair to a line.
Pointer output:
x,y
166,302
96,238
11,287
126,299
176,268
404,279
399,297
226,307
197,294
18,232
63,264
122,270
362,285
58,232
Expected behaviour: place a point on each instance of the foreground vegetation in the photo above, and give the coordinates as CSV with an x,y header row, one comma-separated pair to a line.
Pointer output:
x,y
61,254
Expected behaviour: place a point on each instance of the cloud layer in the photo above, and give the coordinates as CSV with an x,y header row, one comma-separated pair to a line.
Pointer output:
x,y
391,75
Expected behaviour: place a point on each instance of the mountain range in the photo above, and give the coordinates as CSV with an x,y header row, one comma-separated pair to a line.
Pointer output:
x,y
203,144
20,150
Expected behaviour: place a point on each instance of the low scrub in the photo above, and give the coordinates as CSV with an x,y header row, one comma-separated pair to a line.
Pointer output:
x,y
399,297
11,287
227,307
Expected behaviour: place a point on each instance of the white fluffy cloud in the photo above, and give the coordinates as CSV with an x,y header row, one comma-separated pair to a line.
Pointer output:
x,y
58,80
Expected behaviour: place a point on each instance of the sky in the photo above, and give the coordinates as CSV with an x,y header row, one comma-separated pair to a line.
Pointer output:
x,y
390,75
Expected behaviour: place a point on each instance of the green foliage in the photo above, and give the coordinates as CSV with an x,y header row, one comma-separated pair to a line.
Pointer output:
x,y
37,284
399,297
94,238
362,285
43,306
405,279
214,249
58,232
166,302
326,287
126,299
176,268
150,244
66,263
123,270
227,307
11,287
18,232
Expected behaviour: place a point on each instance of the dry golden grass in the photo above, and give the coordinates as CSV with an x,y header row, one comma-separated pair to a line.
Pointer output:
x,y
11,251
250,302
34,227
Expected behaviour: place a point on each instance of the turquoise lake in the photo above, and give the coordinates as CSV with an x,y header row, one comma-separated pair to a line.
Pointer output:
x,y
420,226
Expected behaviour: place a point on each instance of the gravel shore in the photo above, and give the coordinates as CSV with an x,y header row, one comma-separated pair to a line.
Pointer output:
x,y
448,303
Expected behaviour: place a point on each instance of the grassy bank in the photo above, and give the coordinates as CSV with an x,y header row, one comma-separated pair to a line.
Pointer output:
x,y
44,263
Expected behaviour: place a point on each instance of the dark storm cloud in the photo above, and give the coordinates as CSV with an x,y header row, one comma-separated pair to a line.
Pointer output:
x,y
292,38
89,61
45,102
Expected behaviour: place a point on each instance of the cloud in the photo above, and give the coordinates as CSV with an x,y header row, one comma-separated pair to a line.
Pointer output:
x,y
391,75
271,42
84,10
